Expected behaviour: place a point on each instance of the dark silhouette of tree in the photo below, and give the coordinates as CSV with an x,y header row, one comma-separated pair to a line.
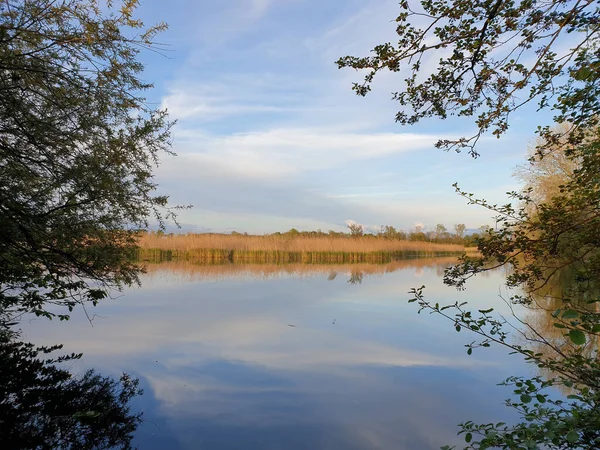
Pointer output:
x,y
43,406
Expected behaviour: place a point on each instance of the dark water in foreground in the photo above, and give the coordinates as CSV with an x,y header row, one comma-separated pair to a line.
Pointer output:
x,y
306,357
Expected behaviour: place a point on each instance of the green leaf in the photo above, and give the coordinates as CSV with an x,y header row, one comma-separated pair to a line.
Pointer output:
x,y
577,337
540,398
469,351
526,398
570,314
582,74
572,436
468,437
596,328
86,415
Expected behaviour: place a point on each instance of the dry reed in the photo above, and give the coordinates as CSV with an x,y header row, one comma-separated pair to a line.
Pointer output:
x,y
270,243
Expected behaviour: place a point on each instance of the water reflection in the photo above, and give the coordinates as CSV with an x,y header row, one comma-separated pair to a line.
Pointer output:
x,y
354,273
561,289
43,405
293,357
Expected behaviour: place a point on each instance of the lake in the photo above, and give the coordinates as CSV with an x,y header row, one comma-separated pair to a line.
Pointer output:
x,y
293,357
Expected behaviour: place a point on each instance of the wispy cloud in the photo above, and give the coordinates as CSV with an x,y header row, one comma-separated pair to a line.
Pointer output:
x,y
280,152
233,94
269,129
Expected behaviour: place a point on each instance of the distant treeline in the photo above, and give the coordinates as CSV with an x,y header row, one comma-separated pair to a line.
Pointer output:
x,y
440,235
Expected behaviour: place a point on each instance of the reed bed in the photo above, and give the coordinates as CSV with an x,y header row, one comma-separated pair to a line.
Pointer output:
x,y
219,248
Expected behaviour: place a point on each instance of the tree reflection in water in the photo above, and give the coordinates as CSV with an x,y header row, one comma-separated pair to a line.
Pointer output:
x,y
44,406
545,333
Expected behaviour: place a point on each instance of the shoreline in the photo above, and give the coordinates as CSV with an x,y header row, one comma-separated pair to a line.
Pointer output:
x,y
224,256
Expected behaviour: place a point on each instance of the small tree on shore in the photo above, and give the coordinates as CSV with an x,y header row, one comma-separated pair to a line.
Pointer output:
x,y
356,229
459,230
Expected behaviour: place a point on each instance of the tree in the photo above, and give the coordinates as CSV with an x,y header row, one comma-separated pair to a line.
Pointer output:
x,y
543,175
440,232
459,230
293,232
389,232
45,407
78,144
498,56
356,229
417,234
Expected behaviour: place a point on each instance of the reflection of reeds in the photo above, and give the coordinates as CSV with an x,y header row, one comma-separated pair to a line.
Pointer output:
x,y
220,248
200,272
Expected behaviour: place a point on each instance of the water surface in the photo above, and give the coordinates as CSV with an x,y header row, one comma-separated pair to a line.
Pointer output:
x,y
293,357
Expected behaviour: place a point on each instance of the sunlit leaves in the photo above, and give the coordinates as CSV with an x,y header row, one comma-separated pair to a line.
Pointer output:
x,y
497,56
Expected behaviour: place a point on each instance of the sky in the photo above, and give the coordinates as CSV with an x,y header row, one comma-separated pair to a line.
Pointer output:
x,y
270,136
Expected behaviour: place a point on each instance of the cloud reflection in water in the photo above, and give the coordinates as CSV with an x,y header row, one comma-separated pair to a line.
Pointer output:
x,y
359,369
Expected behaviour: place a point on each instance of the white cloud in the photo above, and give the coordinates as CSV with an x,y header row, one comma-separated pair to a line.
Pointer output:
x,y
233,94
236,331
281,152
270,114
188,105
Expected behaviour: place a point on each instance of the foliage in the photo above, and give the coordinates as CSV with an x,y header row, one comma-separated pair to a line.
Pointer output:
x,y
543,176
460,229
390,233
440,232
43,406
356,230
497,56
78,144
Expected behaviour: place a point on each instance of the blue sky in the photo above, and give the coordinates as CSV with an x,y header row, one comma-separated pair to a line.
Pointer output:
x,y
270,135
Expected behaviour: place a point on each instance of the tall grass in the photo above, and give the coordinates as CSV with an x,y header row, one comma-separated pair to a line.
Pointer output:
x,y
218,248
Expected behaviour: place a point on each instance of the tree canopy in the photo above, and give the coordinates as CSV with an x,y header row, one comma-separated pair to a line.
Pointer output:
x,y
495,57
78,144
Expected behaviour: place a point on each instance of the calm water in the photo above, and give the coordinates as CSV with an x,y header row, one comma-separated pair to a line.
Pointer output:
x,y
299,357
